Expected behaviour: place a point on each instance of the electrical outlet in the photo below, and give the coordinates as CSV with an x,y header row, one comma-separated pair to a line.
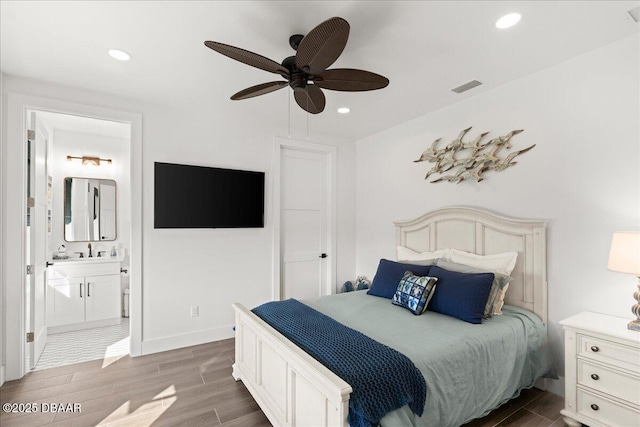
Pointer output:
x,y
195,311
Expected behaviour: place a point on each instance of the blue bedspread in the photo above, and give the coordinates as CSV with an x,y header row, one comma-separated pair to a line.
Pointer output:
x,y
382,378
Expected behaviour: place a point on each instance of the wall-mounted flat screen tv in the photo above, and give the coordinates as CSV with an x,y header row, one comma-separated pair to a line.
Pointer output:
x,y
205,197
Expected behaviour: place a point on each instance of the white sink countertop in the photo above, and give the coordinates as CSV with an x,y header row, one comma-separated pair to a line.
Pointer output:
x,y
87,260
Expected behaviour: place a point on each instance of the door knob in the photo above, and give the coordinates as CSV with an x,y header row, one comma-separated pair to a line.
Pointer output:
x,y
49,264
323,256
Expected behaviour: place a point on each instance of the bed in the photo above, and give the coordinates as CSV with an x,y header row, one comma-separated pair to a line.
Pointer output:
x,y
293,389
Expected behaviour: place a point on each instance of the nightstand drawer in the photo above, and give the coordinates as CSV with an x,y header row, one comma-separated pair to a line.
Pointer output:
x,y
609,352
618,384
606,411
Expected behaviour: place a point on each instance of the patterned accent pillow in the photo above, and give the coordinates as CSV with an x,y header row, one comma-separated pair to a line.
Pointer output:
x,y
414,292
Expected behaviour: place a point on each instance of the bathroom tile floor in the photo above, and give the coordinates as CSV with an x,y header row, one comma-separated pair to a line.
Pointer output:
x,y
81,346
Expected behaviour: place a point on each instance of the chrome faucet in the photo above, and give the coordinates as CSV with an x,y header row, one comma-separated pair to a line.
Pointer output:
x,y
90,254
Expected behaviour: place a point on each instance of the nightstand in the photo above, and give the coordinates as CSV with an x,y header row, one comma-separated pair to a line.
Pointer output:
x,y
602,371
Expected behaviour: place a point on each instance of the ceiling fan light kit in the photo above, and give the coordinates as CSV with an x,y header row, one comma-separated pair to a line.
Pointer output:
x,y
306,72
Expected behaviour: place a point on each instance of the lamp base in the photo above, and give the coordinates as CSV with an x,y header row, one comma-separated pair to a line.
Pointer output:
x,y
634,325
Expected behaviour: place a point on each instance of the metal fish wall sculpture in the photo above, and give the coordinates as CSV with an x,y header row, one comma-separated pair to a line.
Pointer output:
x,y
472,159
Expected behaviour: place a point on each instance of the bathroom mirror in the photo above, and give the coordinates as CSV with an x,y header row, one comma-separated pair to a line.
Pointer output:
x,y
89,209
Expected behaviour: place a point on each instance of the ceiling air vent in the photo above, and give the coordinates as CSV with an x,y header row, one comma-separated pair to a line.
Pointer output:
x,y
465,87
635,13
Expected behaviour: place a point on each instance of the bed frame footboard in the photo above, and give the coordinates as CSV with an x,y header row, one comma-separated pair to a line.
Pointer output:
x,y
291,387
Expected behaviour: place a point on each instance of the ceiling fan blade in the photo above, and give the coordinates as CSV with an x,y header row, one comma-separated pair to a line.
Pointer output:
x,y
310,99
350,80
247,57
322,46
257,90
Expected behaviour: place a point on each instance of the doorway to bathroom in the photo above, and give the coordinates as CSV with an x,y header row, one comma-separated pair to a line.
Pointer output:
x,y
78,230
18,296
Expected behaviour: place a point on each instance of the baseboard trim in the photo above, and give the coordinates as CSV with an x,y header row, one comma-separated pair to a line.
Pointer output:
x,y
185,340
556,386
84,325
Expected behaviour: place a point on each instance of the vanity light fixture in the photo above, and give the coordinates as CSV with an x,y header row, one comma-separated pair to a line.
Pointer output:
x,y
118,54
89,160
344,110
508,20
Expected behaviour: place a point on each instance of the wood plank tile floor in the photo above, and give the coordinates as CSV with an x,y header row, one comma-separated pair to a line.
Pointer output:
x,y
186,387
533,408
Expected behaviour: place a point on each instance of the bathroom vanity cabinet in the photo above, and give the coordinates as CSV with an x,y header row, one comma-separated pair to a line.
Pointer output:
x,y
83,294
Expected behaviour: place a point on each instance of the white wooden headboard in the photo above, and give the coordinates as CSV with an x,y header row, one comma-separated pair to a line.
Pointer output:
x,y
486,233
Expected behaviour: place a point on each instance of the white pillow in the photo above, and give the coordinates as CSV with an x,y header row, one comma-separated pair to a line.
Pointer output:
x,y
498,300
406,254
502,263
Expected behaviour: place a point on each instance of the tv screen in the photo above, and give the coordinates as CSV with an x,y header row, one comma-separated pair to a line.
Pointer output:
x,y
204,197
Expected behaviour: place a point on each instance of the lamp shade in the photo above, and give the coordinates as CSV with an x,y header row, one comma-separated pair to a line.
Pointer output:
x,y
624,256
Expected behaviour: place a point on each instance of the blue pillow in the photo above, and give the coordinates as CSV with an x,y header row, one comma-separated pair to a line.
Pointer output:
x,y
414,292
389,275
461,295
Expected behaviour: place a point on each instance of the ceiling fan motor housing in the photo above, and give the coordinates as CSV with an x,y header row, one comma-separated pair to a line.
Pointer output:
x,y
297,78
298,81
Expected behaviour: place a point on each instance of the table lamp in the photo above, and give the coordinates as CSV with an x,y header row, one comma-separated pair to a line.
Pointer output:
x,y
624,257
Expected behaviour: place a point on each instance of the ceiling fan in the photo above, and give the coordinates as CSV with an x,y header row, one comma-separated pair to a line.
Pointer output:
x,y
306,72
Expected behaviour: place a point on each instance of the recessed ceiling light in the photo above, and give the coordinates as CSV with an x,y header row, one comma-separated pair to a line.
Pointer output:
x,y
508,20
118,54
344,110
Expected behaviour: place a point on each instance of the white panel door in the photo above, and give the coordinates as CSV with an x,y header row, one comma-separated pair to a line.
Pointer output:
x,y
304,188
37,232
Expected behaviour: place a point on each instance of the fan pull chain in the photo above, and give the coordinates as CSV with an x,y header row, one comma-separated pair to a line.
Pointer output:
x,y
289,115
307,117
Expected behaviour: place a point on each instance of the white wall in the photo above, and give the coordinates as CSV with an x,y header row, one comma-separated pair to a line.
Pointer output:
x,y
583,176
210,268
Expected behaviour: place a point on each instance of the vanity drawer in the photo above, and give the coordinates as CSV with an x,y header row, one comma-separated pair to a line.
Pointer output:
x,y
77,268
606,411
609,352
614,383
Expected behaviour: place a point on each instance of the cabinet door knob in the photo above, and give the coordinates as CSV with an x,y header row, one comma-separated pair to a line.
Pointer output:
x,y
80,290
595,348
594,407
88,289
595,377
